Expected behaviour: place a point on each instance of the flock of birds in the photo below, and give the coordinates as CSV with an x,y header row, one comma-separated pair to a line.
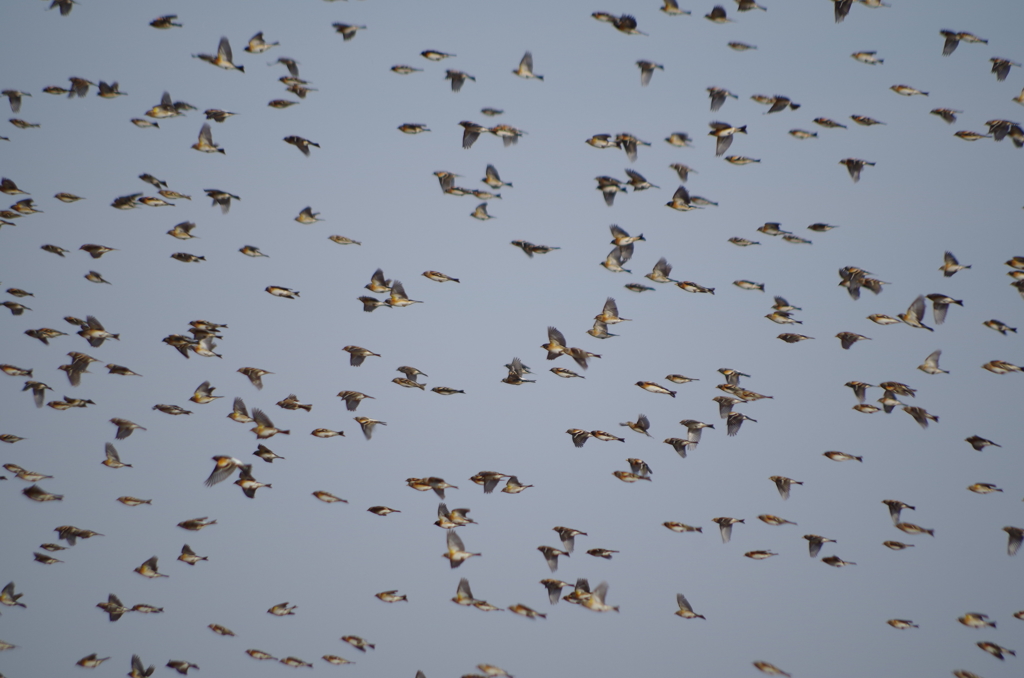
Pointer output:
x,y
200,338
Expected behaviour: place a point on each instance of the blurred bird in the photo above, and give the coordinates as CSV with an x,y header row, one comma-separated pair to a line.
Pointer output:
x,y
647,69
137,669
940,304
931,364
457,553
189,557
770,669
655,388
783,484
725,527
516,371
301,143
224,468
596,600
204,394
328,498
112,459
842,456
734,421
1001,67
257,45
551,556
907,91
950,264
724,132
979,443
915,313
205,143
717,15
367,424
264,427
513,486
149,569
996,651
223,57
348,31
525,69
113,607
920,415
358,354
1016,536
457,78
125,427
554,588
196,524
854,167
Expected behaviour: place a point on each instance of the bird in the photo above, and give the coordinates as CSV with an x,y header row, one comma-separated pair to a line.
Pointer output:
x,y
655,388
931,364
717,15
264,427
525,69
196,524
647,69
513,486
1016,536
125,427
224,468
995,650
734,421
257,45
596,599
301,143
149,569
641,425
950,264
458,78
205,143
783,484
723,132
848,339
725,527
367,424
189,557
554,588
399,298
137,669
907,91
1001,67
771,669
457,553
551,556
940,305
222,59
347,31
358,354
204,394
255,375
915,313
854,167
328,498
9,598
516,371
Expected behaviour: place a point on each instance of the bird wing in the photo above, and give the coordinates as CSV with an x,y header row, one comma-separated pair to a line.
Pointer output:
x,y
527,63
455,542
221,472
261,418
224,49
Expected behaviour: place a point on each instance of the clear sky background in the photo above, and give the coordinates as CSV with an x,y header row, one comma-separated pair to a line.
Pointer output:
x,y
929,192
